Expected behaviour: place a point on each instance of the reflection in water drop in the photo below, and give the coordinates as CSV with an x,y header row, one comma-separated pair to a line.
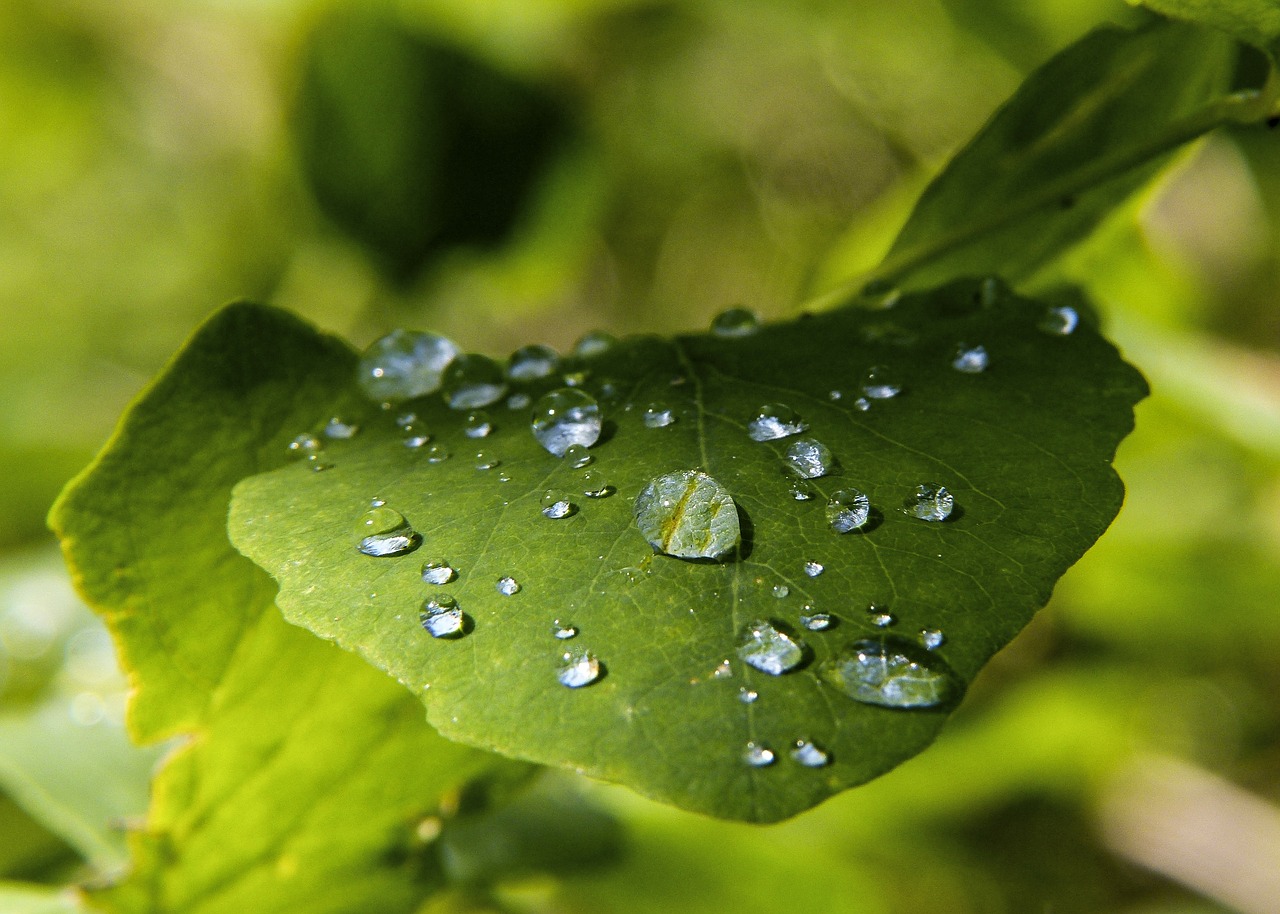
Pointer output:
x,y
528,363
508,586
735,322
578,669
881,384
970,359
473,381
1059,321
477,424
384,532
769,650
757,755
339,429
848,510
439,572
403,365
688,515
930,502
809,458
810,754
891,673
565,417
775,420
556,505
658,415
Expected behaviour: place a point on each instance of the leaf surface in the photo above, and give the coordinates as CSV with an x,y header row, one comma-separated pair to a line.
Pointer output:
x,y
1024,447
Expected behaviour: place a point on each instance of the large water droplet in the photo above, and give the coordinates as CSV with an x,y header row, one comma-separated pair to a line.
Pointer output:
x,y
881,384
781,591
757,755
566,417
473,381
477,424
385,532
809,458
862,404
848,510
414,439
658,415
578,669
733,322
688,515
891,673
442,618
816,622
508,586
769,650
775,420
439,572
556,505
810,754
339,429
528,363
970,359
929,502
1059,321
576,456
404,364
597,342
305,445
813,569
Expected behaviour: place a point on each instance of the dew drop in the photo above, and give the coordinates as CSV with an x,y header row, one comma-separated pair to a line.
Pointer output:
x,y
404,364
723,670
775,420
406,420
439,572
563,631
658,415
631,574
735,322
385,532
769,650
747,696
442,618
1059,321
508,586
528,363
688,515
813,569
518,401
810,754
862,404
848,510
477,425
809,459
577,377
578,669
816,622
556,505
595,343
878,616
781,591
970,359
835,395
594,485
487,460
564,418
473,381
891,673
414,440
758,755
929,502
931,638
437,454
304,446
577,456
339,429
880,384
801,490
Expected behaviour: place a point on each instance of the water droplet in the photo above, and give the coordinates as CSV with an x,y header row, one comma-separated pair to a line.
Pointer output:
x,y
578,670
519,401
377,502
809,459
385,532
577,378
817,622
317,464
800,490
406,420
848,510
723,670
564,418
769,650
810,754
757,755
504,477
931,638
528,363
473,381
556,505
835,395
441,617
880,384
339,429
781,591
688,515
438,572
563,631
891,673
415,440
594,485
658,415
507,586
631,574
477,425
734,322
970,359
878,616
577,456
404,364
775,420
813,569
1059,321
437,454
930,502
862,404
595,343
305,445
486,460
747,696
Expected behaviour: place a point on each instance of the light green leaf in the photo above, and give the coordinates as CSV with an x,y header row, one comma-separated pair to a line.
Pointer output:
x,y
1024,448
1254,21
21,898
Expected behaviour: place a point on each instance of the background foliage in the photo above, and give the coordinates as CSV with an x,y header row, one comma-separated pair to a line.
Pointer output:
x,y
157,161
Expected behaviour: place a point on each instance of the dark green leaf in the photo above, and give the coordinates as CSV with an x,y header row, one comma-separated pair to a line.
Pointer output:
x,y
1024,447
1254,21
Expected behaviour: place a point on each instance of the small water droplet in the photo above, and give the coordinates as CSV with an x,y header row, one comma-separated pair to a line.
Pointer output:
x,y
810,754
339,429
528,363
305,445
473,381
437,454
878,616
564,418
519,401
970,359
385,532
775,420
594,485
891,673
631,574
415,440
578,669
406,420
317,464
595,343
862,404
848,510
929,502
1059,321
813,569
769,650
576,456
504,476
487,460
439,572
404,364
757,755
800,490
735,322
781,591
688,515
835,395
931,638
442,618
577,377
747,696
658,415
880,384
508,586
723,670
563,631
816,622
809,458
477,424
556,505
377,502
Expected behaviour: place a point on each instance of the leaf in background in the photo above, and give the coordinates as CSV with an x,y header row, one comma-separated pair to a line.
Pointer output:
x,y
20,898
1081,134
1254,21
308,769
1024,446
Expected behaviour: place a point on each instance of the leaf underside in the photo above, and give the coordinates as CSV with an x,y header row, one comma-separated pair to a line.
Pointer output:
x,y
1024,446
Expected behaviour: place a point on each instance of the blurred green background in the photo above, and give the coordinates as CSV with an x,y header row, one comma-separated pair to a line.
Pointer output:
x,y
514,171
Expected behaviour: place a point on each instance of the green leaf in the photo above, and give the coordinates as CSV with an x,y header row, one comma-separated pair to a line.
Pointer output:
x,y
1024,447
1080,135
20,898
1254,21
308,769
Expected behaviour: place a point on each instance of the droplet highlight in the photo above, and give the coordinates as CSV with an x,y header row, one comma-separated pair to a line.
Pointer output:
x,y
508,586
775,420
556,505
848,510
758,755
970,359
881,384
658,415
442,618
809,458
929,502
385,532
438,572
578,669
810,754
